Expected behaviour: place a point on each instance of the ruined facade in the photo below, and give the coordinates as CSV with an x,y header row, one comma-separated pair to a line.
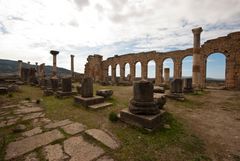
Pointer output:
x,y
229,45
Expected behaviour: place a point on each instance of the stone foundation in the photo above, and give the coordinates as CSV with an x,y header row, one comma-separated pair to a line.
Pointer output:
x,y
87,101
151,122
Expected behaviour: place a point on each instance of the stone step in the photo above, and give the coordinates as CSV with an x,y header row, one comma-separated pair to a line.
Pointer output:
x,y
80,150
103,137
57,124
100,105
18,148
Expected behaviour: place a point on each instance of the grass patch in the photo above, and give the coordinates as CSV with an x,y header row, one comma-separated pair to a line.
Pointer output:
x,y
136,144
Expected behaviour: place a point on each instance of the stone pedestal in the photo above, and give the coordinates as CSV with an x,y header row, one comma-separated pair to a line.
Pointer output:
x,y
54,83
143,109
166,76
87,99
187,85
142,102
151,122
176,90
66,88
87,87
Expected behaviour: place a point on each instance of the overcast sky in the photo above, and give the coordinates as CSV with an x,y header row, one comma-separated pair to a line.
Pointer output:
x,y
29,29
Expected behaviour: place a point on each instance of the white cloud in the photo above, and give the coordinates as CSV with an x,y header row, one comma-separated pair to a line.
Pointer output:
x,y
29,29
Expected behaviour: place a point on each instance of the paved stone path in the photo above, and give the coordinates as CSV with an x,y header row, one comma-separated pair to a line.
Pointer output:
x,y
54,140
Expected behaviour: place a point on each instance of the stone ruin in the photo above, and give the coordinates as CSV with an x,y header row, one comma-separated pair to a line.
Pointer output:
x,y
98,69
66,89
143,111
87,99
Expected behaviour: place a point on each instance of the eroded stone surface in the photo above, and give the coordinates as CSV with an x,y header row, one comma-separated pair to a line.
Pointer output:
x,y
58,124
28,110
54,153
32,157
80,150
103,137
105,158
73,128
9,106
32,116
18,148
32,132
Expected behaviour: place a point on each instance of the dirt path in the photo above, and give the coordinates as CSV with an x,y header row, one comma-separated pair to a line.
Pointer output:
x,y
215,118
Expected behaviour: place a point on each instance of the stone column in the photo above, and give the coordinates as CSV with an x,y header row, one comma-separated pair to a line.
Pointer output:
x,y
196,75
72,66
166,75
54,68
122,72
37,69
20,68
177,69
158,74
144,70
132,71
114,74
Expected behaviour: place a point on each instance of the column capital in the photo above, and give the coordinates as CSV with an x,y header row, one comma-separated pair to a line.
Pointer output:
x,y
36,63
54,52
72,56
20,61
197,30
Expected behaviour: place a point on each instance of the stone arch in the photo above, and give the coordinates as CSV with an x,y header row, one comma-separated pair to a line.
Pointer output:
x,y
138,69
117,70
210,64
127,69
109,70
168,64
187,63
151,71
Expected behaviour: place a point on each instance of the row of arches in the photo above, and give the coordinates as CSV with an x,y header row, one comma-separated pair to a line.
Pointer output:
x,y
215,67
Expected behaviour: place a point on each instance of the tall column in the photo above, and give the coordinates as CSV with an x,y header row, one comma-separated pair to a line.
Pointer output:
x,y
54,69
20,68
72,66
132,71
166,76
144,70
37,69
114,74
122,72
196,75
177,69
158,74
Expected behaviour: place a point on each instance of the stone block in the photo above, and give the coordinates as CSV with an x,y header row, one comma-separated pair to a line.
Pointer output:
x,y
151,122
89,100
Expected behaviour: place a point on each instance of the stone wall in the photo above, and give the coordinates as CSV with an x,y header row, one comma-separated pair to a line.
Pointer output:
x,y
228,45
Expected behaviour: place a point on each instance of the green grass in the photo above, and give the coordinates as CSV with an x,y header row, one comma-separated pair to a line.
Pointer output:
x,y
137,144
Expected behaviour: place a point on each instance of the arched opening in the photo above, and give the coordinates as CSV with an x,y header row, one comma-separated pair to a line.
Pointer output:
x,y
151,71
187,67
168,63
109,70
138,71
118,72
127,70
216,70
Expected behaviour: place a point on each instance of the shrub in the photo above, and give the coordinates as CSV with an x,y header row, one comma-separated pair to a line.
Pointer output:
x,y
38,101
10,95
113,117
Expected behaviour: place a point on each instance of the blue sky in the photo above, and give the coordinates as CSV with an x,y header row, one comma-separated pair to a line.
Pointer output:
x,y
29,29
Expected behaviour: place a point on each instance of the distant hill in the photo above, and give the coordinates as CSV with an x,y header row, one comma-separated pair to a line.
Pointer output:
x,y
10,67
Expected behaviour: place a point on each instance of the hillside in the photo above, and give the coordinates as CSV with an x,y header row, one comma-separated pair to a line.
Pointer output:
x,y
9,67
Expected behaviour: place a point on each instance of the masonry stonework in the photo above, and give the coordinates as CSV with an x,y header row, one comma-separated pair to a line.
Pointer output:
x,y
227,45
